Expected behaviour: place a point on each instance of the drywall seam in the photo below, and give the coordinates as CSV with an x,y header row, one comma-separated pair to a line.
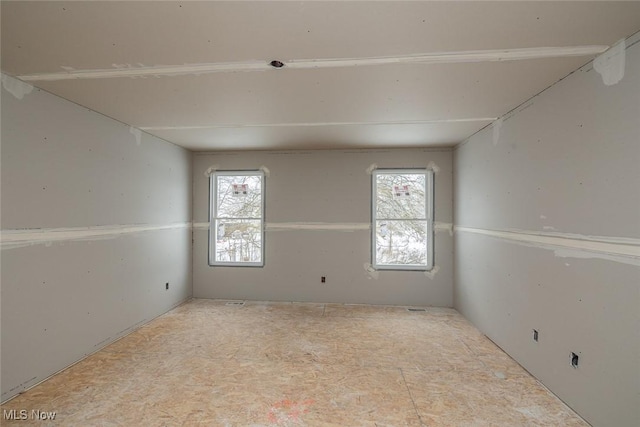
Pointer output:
x,y
317,124
620,249
211,169
292,151
324,226
317,226
16,87
19,238
127,70
610,65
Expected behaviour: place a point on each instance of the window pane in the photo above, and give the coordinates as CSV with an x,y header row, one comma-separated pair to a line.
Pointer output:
x,y
401,196
239,196
238,240
401,242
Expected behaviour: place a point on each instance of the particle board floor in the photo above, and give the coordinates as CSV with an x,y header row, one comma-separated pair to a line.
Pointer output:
x,y
207,363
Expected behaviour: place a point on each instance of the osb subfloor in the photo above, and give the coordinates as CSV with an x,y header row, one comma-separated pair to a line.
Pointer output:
x,y
207,363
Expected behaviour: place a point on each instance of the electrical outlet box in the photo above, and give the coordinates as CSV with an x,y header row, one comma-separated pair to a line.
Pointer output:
x,y
574,360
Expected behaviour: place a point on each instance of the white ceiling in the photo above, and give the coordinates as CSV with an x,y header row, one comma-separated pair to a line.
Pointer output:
x,y
398,104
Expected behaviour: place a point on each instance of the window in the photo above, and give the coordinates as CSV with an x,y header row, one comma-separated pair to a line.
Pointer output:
x,y
402,216
236,231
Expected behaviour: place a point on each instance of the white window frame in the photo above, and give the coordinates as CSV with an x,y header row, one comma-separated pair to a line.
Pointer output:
x,y
429,192
213,216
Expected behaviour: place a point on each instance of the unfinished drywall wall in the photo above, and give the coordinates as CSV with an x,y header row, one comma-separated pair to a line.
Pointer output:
x,y
95,221
318,211
547,220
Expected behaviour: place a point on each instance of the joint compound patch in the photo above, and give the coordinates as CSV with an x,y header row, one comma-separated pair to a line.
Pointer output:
x,y
433,167
610,65
265,170
443,226
137,133
432,273
16,87
371,168
371,271
211,170
497,127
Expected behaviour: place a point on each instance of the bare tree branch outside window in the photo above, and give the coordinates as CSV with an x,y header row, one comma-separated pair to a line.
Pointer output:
x,y
400,219
237,218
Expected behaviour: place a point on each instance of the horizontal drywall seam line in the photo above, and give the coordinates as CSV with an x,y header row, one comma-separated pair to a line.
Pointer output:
x,y
635,37
24,237
472,56
294,151
321,226
318,124
619,246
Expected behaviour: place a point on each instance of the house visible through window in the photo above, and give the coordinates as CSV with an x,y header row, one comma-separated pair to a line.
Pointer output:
x,y
236,231
402,216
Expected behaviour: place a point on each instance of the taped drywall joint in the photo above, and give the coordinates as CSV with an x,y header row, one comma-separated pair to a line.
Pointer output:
x,y
610,65
432,273
140,70
371,271
265,170
320,124
566,245
371,168
497,126
433,167
137,133
16,87
317,226
211,170
11,239
303,226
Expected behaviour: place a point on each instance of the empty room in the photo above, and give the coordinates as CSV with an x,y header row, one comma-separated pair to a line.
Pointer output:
x,y
320,213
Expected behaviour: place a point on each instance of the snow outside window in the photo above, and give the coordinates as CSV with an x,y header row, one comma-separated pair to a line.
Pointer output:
x,y
402,217
236,223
